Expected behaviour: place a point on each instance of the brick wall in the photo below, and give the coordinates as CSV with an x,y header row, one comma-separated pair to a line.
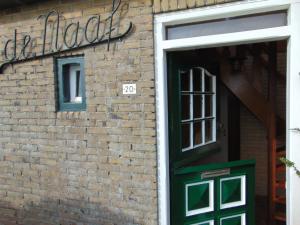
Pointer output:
x,y
98,166
93,167
173,5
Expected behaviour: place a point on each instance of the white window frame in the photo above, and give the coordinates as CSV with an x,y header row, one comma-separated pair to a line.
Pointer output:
x,y
242,216
74,68
211,222
291,32
243,192
203,118
209,208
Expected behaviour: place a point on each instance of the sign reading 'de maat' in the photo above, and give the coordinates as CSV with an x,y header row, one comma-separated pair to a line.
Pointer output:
x,y
64,38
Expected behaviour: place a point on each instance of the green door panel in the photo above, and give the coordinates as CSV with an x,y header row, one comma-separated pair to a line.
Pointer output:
x,y
233,190
222,193
214,166
197,196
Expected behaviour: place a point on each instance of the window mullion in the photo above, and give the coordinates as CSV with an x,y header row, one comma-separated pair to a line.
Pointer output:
x,y
214,110
191,109
203,106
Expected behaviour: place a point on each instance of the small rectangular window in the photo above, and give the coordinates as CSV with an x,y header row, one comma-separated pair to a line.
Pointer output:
x,y
71,87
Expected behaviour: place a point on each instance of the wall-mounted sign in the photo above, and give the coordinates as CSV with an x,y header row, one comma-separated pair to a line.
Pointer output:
x,y
129,89
62,39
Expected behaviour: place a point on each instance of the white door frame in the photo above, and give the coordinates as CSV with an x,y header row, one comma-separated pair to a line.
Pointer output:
x,y
291,32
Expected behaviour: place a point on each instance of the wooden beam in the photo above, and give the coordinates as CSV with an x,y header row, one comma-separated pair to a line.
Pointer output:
x,y
264,62
246,93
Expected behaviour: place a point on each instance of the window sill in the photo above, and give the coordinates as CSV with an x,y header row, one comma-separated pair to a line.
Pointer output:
x,y
72,106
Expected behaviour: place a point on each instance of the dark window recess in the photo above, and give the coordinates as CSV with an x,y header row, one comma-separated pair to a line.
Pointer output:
x,y
66,83
71,85
78,94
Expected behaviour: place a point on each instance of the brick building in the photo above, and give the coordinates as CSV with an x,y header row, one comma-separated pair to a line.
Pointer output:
x,y
149,112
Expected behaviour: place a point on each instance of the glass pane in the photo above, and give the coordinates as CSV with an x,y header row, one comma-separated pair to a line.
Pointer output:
x,y
197,80
198,133
185,107
78,94
185,80
71,83
228,25
66,82
75,83
208,105
208,83
185,137
208,130
198,106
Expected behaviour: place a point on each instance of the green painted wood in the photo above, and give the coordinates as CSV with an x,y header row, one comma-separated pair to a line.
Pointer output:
x,y
64,106
231,191
201,191
214,166
191,191
199,197
177,157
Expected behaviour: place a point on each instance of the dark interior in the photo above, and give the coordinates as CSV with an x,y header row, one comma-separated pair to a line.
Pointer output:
x,y
247,96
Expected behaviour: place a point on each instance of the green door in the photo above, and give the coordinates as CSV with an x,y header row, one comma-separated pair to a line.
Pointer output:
x,y
214,194
205,188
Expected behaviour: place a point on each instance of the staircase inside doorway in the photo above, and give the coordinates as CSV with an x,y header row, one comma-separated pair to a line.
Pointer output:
x,y
260,88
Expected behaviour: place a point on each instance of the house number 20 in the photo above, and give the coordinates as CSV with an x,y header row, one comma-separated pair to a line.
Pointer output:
x,y
129,89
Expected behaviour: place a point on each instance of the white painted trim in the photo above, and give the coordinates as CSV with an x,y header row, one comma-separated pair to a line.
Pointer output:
x,y
210,206
221,11
270,34
211,222
215,108
243,192
207,13
293,112
162,128
74,68
242,216
191,112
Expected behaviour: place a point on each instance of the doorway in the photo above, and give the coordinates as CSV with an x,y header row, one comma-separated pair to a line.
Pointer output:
x,y
226,113
163,45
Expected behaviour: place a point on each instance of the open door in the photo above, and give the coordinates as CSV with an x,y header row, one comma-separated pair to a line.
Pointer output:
x,y
205,188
